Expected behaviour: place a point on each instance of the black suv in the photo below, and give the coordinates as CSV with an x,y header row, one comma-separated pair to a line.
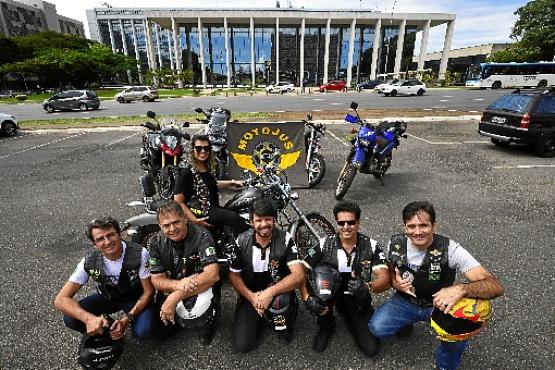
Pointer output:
x,y
523,116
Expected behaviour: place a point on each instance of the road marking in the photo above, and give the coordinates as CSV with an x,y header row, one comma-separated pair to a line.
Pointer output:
x,y
280,111
123,138
316,110
443,100
525,166
451,110
477,142
338,139
472,111
435,142
41,145
336,103
479,99
318,99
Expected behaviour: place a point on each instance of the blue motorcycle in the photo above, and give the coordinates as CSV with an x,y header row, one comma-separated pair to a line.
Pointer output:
x,y
371,150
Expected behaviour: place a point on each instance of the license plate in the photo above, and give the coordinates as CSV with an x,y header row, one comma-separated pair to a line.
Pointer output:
x,y
500,120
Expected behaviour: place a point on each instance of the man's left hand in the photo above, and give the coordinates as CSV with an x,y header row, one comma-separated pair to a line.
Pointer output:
x,y
117,330
263,299
167,312
446,298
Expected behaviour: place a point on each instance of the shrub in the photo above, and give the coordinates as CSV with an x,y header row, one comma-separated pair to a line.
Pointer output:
x,y
21,97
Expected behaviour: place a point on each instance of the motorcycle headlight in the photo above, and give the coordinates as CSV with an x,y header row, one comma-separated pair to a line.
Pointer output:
x,y
363,142
171,142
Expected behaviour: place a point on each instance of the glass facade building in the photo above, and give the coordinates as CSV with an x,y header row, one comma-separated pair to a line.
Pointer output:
x,y
262,46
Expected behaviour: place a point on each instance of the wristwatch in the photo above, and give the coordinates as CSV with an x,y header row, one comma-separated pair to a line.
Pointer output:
x,y
130,317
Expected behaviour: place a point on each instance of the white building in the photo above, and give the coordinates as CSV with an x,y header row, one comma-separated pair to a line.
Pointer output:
x,y
257,46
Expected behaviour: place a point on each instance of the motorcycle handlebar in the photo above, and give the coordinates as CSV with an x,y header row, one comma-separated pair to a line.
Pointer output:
x,y
151,126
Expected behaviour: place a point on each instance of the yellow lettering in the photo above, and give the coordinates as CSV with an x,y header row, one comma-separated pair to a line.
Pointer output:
x,y
255,131
247,136
288,145
266,130
283,137
242,145
276,132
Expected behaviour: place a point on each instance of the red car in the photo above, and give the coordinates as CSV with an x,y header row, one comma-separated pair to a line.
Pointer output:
x,y
338,85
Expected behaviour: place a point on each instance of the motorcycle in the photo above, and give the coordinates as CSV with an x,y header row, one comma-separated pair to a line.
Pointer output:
x,y
216,121
371,150
162,152
315,164
306,228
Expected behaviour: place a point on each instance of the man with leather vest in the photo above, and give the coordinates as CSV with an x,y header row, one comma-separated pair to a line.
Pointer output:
x,y
361,263
423,266
264,264
183,263
122,276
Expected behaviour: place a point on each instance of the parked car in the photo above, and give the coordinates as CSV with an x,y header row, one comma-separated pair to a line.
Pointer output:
x,y
144,93
523,116
280,88
379,88
8,125
337,85
368,84
72,99
405,87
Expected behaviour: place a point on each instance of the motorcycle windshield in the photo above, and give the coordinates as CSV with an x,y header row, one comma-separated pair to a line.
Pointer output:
x,y
351,119
171,141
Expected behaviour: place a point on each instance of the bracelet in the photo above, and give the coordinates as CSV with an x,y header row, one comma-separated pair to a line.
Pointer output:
x,y
130,317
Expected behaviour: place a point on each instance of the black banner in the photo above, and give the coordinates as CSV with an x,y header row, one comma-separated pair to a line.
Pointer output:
x,y
253,145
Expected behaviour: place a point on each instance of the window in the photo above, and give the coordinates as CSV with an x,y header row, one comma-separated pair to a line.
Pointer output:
x,y
513,102
546,104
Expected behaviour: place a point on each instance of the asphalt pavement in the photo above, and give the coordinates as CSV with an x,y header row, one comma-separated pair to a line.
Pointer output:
x,y
462,100
499,203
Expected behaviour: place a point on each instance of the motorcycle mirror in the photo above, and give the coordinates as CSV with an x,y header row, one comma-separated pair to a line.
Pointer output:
x,y
309,116
185,124
354,105
186,136
150,114
198,110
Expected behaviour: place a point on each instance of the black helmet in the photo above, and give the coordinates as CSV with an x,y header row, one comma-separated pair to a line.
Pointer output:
x,y
195,311
99,351
324,282
282,311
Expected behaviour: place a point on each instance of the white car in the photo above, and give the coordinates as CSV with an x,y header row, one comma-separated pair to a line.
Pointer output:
x,y
144,93
408,87
280,88
8,125
380,87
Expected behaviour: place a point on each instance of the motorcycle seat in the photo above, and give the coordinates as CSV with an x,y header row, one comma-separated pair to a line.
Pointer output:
x,y
155,204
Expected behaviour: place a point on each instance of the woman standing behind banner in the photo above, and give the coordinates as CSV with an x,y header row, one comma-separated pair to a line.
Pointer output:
x,y
196,190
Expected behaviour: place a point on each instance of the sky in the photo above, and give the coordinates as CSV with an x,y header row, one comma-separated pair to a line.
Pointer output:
x,y
477,21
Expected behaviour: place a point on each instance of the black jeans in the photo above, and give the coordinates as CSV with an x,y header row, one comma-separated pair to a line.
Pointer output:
x,y
357,319
220,217
247,325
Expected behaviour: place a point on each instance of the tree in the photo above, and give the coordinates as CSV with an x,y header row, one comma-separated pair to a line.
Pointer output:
x,y
534,32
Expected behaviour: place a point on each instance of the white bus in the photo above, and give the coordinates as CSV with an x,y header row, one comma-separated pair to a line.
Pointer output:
x,y
498,75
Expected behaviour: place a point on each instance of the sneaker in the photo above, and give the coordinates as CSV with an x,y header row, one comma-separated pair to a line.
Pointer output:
x,y
321,340
405,331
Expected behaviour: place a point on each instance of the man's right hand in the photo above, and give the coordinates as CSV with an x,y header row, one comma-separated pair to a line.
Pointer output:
x,y
315,306
403,285
96,324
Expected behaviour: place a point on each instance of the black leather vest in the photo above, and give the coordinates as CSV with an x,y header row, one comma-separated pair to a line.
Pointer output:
x,y
434,273
129,284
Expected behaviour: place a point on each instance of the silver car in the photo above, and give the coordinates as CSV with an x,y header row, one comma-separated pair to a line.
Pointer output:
x,y
72,99
144,93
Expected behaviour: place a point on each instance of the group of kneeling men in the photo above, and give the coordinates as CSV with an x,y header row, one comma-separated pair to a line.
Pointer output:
x,y
163,289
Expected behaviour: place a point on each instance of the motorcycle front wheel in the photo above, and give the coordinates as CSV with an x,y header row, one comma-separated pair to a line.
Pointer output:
x,y
165,183
316,170
302,236
345,179
144,233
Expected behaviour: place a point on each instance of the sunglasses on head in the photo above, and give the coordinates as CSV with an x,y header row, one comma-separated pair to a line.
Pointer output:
x,y
349,222
200,148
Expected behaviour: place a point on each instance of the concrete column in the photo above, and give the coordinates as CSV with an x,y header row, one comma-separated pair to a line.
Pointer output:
x,y
170,50
201,53
137,56
350,52
446,49
301,52
149,47
227,53
253,56
399,51
125,49
424,45
157,29
112,40
277,51
177,52
376,48
327,51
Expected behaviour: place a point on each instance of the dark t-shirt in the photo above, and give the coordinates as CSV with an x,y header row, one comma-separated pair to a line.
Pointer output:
x,y
182,259
185,184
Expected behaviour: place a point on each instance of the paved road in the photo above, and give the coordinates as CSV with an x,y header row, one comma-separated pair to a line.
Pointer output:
x,y
436,99
499,203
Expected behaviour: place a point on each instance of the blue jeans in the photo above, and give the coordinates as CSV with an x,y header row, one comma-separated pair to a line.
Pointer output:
x,y
143,326
398,312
